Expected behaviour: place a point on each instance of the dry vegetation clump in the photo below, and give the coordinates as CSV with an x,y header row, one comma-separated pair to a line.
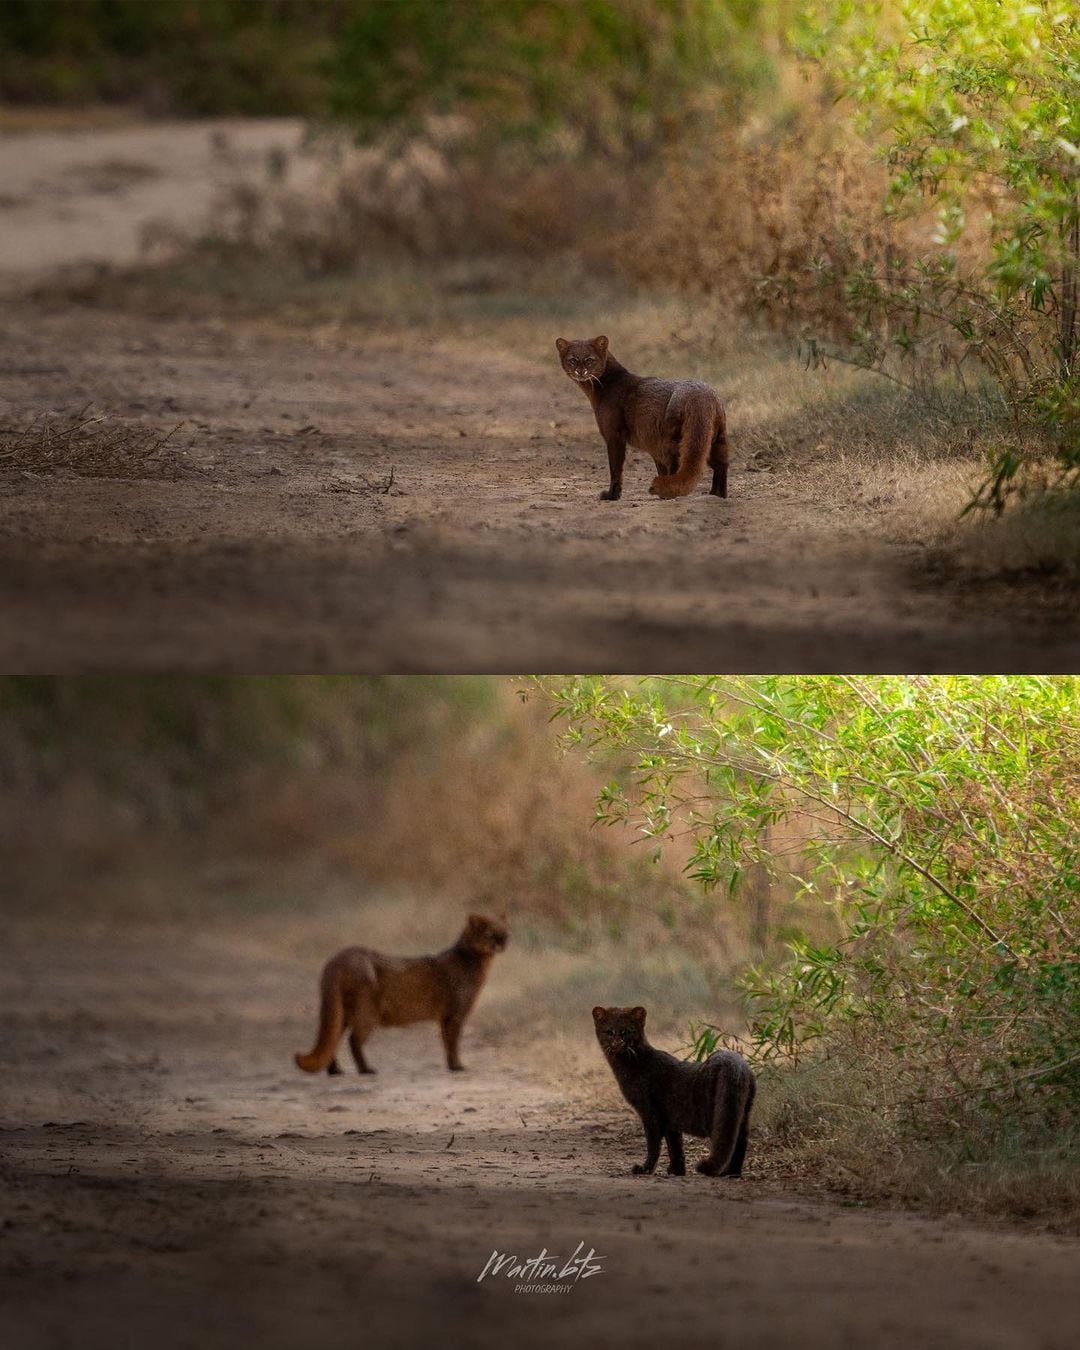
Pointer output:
x,y
1038,531
865,1124
92,445
747,219
787,224
428,195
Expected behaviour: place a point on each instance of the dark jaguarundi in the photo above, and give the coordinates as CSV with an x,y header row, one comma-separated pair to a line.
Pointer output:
x,y
710,1100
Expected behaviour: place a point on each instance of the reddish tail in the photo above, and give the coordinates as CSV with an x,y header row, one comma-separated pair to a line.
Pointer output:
x,y
331,1025
694,445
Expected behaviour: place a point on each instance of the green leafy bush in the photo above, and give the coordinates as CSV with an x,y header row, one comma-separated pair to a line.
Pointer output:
x,y
972,105
944,832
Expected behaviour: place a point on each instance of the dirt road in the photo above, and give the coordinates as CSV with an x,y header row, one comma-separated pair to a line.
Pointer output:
x,y
273,545
97,195
170,1178
269,543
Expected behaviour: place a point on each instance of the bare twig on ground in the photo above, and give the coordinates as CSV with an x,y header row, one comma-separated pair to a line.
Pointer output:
x,y
93,445
363,484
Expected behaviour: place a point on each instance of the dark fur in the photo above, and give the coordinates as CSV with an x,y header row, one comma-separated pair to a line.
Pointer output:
x,y
680,423
710,1100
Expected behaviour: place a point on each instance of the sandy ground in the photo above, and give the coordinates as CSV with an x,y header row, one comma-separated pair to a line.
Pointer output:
x,y
170,1178
273,547
99,195
276,549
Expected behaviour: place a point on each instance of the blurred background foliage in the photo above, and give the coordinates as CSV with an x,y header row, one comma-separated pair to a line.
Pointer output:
x,y
157,795
626,74
620,80
171,57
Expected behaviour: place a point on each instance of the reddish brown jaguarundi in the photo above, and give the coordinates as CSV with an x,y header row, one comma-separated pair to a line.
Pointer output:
x,y
679,422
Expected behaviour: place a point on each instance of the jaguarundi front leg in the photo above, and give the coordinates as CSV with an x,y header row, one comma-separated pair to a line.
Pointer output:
x,y
616,453
653,1135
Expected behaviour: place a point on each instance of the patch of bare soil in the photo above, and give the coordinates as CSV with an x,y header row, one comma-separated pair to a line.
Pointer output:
x,y
395,500
92,193
170,1178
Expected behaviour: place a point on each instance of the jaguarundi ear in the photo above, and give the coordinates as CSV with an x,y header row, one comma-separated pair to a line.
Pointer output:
x,y
599,1014
638,1014
600,344
475,921
562,345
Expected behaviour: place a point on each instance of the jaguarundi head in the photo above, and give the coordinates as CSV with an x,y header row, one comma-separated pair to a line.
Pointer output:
x,y
487,935
583,359
620,1031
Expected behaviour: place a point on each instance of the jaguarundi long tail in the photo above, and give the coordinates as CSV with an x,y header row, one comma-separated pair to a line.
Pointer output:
x,y
731,1124
331,1027
695,443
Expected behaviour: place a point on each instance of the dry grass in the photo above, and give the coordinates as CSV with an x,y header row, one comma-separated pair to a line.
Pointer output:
x,y
430,196
92,445
743,220
1039,532
838,1125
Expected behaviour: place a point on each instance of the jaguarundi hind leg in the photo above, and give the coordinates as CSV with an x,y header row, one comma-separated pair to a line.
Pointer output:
x,y
356,1045
734,1167
365,1018
718,462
